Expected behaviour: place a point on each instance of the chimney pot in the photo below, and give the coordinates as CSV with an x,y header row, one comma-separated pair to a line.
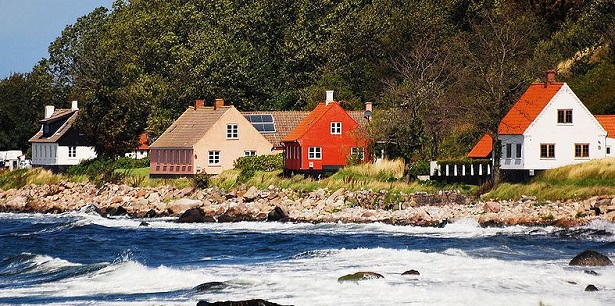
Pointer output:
x,y
218,103
49,109
74,105
198,104
329,97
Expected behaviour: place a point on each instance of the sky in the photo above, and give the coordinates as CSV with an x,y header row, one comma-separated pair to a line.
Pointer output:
x,y
27,28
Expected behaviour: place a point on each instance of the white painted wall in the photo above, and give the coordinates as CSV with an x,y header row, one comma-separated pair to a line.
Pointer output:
x,y
51,154
545,130
512,163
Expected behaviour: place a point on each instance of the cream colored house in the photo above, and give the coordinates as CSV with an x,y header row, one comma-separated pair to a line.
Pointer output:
x,y
205,139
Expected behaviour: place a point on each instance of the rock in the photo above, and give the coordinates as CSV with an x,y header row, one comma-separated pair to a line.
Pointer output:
x,y
181,205
143,223
256,302
525,198
90,209
590,258
591,272
118,211
492,207
251,194
360,276
278,214
411,272
184,192
210,286
195,215
150,214
153,197
591,288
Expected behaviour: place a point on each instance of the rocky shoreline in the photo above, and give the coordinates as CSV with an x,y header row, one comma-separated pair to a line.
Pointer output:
x,y
322,205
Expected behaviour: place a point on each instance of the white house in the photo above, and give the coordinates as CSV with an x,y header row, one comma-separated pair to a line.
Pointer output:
x,y
57,144
549,127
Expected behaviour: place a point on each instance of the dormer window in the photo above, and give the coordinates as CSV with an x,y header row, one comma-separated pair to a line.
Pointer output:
x,y
46,130
564,116
336,128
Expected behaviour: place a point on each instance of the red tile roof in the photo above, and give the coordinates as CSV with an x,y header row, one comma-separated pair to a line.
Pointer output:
x,y
527,108
608,123
483,148
308,122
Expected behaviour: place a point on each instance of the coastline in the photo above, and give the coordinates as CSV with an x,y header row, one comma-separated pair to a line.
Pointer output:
x,y
322,205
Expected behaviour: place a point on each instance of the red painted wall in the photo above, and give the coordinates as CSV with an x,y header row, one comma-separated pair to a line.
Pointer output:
x,y
335,148
171,161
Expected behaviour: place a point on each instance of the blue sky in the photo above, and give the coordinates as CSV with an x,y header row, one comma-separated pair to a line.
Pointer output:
x,y
27,27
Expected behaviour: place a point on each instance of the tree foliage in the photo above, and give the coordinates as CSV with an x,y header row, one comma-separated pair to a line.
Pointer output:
x,y
434,68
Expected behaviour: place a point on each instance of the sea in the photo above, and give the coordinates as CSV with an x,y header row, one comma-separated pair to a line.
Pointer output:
x,y
82,259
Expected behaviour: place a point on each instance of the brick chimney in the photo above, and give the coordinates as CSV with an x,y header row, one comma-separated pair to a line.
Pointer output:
x,y
198,104
329,98
218,103
550,77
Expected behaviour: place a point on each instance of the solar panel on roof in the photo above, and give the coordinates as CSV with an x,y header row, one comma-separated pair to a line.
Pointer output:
x,y
262,123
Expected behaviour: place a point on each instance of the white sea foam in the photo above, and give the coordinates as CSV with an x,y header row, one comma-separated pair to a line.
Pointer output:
x,y
448,278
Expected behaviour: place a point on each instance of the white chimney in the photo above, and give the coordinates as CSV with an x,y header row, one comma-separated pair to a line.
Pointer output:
x,y
49,109
74,106
329,97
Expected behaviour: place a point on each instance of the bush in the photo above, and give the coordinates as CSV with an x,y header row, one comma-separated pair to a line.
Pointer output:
x,y
250,164
200,180
418,168
131,163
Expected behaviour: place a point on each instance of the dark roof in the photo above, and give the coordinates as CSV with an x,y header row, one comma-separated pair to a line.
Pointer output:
x,y
284,121
59,114
189,127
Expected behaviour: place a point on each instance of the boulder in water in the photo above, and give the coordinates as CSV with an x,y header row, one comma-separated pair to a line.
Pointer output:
x,y
590,258
255,302
278,214
360,276
194,215
210,286
90,209
411,272
591,288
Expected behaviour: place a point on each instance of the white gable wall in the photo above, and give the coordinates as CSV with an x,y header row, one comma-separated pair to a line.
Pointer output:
x,y
545,129
512,163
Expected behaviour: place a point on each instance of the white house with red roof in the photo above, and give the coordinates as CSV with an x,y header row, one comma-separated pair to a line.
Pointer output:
x,y
549,127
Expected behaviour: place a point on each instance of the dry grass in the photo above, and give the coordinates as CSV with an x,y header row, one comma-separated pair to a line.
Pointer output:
x,y
580,181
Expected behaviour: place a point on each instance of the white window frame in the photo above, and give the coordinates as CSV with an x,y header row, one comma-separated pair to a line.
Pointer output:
x,y
249,153
72,152
581,150
315,153
358,151
213,158
232,131
336,128
564,116
550,150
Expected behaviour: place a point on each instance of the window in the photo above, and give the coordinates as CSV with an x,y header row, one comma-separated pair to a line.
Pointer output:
x,y
46,130
232,131
336,128
358,152
249,153
314,153
509,150
564,116
72,151
518,155
608,150
547,151
581,150
214,158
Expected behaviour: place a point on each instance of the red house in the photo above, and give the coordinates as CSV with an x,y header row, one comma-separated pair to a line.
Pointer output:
x,y
324,140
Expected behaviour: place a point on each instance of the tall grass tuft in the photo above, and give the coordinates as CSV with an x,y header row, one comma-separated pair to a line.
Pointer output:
x,y
22,177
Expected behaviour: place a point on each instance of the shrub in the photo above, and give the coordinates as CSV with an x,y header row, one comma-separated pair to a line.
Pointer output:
x,y
131,163
418,168
248,165
201,180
